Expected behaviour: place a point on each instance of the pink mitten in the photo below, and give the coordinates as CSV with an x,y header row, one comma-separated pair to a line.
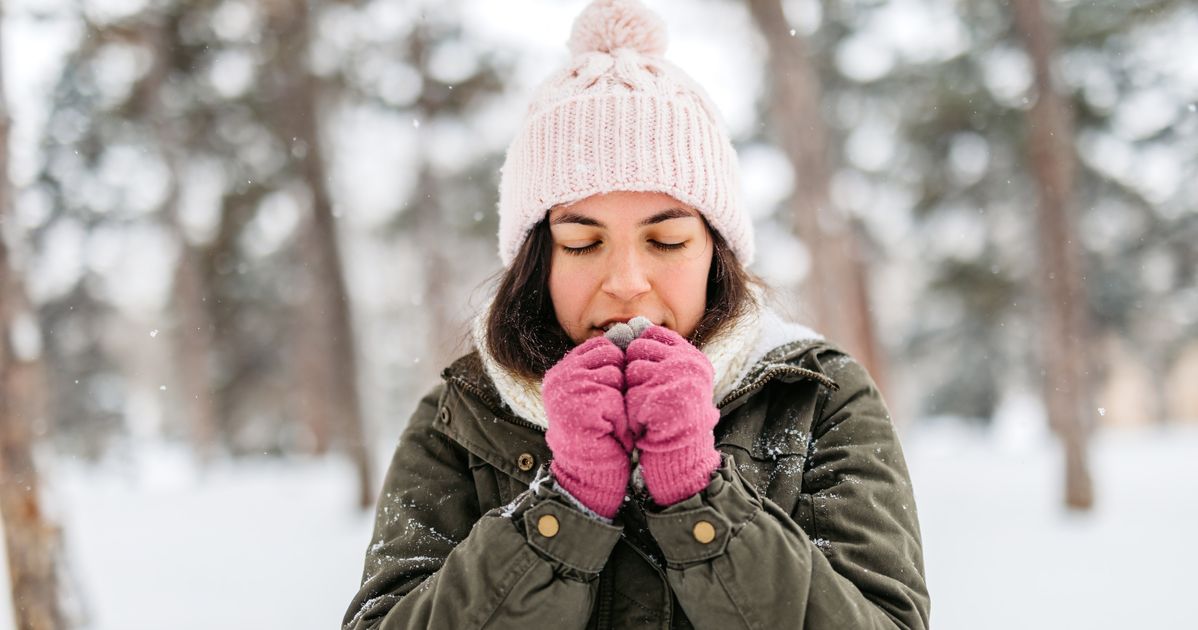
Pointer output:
x,y
588,428
671,413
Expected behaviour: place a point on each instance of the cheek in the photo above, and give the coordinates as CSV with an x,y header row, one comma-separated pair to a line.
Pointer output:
x,y
686,294
569,292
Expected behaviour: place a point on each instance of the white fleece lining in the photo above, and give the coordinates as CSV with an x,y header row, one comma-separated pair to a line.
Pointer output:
x,y
732,355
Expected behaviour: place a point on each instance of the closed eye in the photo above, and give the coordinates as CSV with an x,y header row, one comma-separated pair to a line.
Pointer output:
x,y
668,247
665,247
578,251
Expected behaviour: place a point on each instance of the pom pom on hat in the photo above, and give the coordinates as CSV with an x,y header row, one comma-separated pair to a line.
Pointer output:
x,y
606,25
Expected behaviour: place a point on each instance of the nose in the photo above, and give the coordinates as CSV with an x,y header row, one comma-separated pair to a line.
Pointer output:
x,y
627,277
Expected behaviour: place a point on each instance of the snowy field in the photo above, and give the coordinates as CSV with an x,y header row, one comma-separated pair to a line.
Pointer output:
x,y
1001,552
277,544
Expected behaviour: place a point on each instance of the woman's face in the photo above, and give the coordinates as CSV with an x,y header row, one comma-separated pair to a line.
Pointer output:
x,y
623,254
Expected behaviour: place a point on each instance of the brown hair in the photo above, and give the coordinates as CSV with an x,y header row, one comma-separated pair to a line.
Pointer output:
x,y
523,334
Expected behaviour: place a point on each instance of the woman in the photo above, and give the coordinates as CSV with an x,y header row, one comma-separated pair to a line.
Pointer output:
x,y
637,442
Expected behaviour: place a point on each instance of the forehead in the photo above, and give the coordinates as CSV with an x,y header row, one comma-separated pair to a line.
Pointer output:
x,y
621,208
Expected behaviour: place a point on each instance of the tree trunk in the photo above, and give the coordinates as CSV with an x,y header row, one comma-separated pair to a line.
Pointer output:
x,y
432,233
836,286
193,338
1064,325
328,352
30,539
192,326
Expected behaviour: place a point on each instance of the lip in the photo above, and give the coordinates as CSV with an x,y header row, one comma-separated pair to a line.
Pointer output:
x,y
607,322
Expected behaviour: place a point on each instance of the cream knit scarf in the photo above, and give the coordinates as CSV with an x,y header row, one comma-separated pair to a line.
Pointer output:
x,y
732,353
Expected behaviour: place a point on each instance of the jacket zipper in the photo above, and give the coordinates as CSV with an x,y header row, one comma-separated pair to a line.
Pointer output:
x,y
768,375
743,390
661,574
518,421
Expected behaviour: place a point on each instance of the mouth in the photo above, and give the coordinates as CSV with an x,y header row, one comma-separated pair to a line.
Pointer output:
x,y
638,323
607,324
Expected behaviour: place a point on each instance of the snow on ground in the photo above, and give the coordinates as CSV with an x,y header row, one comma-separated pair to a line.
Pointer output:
x,y
259,544
1001,552
277,544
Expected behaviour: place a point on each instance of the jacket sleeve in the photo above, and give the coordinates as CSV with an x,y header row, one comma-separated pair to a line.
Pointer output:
x,y
860,566
435,562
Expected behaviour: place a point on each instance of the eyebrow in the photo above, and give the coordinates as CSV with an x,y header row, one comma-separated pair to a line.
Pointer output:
x,y
664,215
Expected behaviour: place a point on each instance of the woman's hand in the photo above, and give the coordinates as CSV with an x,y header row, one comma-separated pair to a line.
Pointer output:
x,y
588,429
670,413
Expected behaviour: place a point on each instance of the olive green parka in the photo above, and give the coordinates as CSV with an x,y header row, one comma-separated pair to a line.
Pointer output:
x,y
812,508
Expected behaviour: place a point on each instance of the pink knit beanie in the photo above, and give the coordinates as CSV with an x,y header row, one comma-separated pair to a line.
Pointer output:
x,y
619,117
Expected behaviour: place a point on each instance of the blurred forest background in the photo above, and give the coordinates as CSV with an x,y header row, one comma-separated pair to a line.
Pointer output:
x,y
246,235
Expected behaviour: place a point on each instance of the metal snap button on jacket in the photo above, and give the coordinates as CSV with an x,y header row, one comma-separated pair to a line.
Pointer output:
x,y
547,525
704,532
526,461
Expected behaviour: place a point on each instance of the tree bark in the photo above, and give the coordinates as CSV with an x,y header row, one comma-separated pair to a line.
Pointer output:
x,y
426,217
192,326
31,540
836,286
328,351
432,233
1064,325
193,337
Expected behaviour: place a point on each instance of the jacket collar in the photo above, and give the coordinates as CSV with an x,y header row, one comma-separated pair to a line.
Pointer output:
x,y
730,353
488,427
776,353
